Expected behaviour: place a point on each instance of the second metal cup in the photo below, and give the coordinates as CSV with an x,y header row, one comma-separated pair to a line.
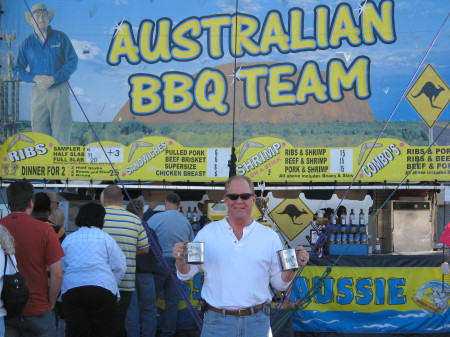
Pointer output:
x,y
288,259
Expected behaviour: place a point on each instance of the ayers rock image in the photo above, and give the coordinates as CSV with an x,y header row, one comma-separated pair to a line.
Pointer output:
x,y
350,109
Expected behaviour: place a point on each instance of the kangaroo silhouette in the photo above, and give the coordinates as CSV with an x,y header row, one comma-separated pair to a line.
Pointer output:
x,y
293,212
430,90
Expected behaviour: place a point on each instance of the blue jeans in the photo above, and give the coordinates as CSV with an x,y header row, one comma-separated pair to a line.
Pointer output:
x,y
164,282
141,316
218,325
121,313
31,326
2,326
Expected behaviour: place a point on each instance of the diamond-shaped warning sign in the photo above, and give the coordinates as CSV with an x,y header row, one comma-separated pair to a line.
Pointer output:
x,y
429,95
291,216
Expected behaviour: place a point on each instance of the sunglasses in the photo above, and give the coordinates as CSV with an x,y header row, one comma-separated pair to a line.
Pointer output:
x,y
243,196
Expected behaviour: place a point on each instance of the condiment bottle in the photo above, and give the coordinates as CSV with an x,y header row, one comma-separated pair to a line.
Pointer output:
x,y
378,246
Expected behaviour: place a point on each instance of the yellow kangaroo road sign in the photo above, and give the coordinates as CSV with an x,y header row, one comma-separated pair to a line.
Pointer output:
x,y
292,217
429,95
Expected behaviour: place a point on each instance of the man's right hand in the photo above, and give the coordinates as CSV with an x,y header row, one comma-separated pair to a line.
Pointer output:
x,y
179,252
44,81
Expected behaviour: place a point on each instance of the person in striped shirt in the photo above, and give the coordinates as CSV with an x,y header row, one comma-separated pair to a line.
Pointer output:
x,y
130,235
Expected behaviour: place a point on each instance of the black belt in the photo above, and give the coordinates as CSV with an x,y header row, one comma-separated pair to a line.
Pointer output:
x,y
239,312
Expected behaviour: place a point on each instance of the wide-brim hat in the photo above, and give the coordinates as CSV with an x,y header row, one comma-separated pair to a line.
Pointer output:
x,y
37,9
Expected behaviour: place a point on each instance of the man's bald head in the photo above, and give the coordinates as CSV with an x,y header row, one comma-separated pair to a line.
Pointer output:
x,y
112,195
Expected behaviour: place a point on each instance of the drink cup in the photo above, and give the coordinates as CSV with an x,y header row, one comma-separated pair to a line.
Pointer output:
x,y
195,252
288,259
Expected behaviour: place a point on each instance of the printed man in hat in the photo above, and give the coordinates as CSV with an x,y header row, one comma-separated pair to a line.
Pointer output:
x,y
51,59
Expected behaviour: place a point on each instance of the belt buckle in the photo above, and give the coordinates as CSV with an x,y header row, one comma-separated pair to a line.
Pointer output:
x,y
239,312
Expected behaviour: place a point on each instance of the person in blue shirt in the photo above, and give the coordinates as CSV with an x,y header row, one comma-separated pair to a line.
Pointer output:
x,y
51,59
170,227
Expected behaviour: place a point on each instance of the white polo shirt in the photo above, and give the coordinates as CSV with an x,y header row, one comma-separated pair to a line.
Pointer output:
x,y
238,272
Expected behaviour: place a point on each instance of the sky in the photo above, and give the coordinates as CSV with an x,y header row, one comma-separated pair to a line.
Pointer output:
x,y
101,90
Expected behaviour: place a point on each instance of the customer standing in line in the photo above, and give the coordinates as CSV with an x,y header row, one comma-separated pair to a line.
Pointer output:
x,y
127,230
6,247
142,313
93,267
170,227
37,248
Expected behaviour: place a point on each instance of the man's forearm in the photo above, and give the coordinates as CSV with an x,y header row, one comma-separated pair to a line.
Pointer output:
x,y
182,266
55,281
287,275
54,288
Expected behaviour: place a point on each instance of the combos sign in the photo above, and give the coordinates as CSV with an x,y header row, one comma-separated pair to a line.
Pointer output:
x,y
37,156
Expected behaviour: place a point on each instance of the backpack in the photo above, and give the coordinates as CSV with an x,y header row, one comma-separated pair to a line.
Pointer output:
x,y
15,292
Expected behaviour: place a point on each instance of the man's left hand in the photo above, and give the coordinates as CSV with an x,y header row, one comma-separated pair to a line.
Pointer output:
x,y
302,259
302,256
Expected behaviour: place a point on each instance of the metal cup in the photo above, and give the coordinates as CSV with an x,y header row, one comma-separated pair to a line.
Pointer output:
x,y
288,259
195,252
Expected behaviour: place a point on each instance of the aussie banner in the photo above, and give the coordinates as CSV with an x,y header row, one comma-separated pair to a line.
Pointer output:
x,y
294,90
361,300
358,300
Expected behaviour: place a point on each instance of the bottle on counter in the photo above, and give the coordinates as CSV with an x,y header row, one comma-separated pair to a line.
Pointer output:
x,y
362,218
194,212
353,227
357,238
377,246
352,217
189,214
338,238
343,217
344,236
363,238
350,238
181,211
194,222
333,218
332,238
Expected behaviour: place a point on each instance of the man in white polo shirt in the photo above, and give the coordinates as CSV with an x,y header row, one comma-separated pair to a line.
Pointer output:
x,y
240,262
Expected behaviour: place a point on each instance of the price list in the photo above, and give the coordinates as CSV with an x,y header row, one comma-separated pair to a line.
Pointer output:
x,y
95,154
341,160
218,163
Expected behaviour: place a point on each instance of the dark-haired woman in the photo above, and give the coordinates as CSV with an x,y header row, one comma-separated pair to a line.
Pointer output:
x,y
93,266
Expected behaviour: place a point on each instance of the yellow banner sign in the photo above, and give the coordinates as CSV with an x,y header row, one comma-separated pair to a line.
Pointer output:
x,y
38,156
